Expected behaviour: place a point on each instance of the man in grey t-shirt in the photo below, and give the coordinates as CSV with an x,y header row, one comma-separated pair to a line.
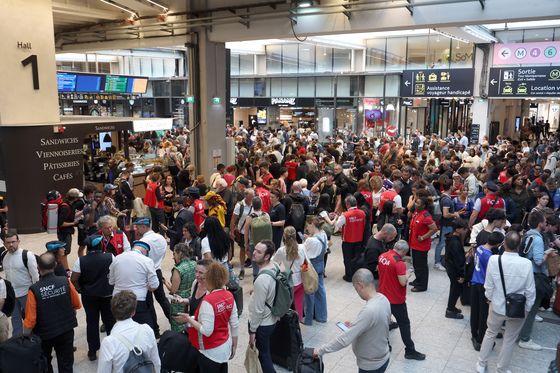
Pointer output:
x,y
369,333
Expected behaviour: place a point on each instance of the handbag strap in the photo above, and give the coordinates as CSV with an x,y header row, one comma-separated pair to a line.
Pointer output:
x,y
502,275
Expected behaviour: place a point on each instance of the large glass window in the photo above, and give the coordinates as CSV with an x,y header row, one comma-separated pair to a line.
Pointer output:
x,y
325,87
323,59
396,54
417,51
273,59
260,87
275,87
246,64
342,59
543,34
439,54
392,85
306,58
343,86
306,87
374,86
375,55
462,54
355,86
515,36
234,67
246,88
289,58
234,87
289,87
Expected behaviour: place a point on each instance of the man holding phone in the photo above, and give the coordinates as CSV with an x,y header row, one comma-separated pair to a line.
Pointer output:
x,y
369,333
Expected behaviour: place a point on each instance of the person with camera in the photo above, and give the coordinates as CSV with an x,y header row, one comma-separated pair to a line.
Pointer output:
x,y
507,273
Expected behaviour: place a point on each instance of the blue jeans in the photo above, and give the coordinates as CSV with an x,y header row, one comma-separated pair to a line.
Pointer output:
x,y
441,243
263,346
381,369
316,303
17,315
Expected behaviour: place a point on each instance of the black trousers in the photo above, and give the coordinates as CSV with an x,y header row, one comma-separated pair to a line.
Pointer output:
x,y
455,290
143,314
479,312
349,252
64,347
401,315
94,307
159,294
207,365
420,264
158,217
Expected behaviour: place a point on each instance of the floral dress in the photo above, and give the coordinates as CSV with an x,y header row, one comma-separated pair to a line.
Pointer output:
x,y
186,269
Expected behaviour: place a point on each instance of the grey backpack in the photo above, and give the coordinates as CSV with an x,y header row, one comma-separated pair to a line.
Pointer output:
x,y
137,361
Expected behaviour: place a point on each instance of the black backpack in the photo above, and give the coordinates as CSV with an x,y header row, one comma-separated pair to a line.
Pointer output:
x,y
306,363
176,352
137,361
23,354
24,258
10,301
525,246
297,216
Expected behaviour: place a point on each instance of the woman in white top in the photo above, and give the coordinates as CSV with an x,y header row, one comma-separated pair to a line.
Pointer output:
x,y
216,243
291,257
315,249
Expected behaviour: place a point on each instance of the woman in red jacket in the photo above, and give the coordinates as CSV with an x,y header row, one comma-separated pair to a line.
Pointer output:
x,y
422,227
213,330
154,200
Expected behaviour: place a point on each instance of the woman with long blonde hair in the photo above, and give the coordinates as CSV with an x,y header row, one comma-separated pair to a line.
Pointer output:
x,y
291,257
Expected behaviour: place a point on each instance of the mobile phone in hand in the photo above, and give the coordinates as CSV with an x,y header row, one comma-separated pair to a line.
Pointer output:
x,y
342,326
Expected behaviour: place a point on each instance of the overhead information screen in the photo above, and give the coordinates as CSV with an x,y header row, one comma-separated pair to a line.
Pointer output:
x,y
115,84
66,82
88,83
137,85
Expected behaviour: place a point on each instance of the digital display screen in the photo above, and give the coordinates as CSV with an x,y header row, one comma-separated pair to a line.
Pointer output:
x,y
66,82
137,85
88,83
116,84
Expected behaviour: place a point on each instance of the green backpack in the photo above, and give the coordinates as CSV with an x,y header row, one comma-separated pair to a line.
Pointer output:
x,y
284,293
261,228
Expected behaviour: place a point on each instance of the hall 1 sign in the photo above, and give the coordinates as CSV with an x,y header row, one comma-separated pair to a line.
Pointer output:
x,y
518,82
437,83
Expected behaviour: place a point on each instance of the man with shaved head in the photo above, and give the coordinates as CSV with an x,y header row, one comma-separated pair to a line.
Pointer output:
x,y
369,333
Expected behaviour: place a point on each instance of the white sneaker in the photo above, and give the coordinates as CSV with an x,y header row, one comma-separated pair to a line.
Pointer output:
x,y
439,267
538,318
530,345
480,368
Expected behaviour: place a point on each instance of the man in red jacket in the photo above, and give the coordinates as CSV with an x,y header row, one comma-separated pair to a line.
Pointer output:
x,y
482,205
352,222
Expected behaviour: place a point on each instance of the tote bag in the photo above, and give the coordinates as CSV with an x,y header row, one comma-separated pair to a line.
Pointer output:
x,y
309,276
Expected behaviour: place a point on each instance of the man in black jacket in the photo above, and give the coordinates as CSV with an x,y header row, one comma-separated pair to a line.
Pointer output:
x,y
183,217
455,265
377,245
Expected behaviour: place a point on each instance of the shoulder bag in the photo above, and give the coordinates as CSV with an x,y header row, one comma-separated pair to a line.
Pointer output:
x,y
515,303
309,276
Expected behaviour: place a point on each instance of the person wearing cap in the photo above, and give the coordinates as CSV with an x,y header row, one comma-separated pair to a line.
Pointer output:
x,y
196,206
455,265
57,248
182,217
482,205
133,270
158,248
50,313
90,277
155,200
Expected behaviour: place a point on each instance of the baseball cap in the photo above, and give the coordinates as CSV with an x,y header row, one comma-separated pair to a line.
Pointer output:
x,y
141,244
142,221
93,241
244,181
193,191
492,186
75,193
109,187
55,245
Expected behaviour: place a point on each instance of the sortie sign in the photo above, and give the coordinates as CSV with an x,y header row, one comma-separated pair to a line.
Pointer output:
x,y
519,82
437,83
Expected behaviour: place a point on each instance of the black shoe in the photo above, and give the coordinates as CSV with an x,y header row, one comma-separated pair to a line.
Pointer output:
x,y
393,325
475,344
413,283
92,355
102,329
417,290
499,336
247,263
453,315
414,355
347,279
457,310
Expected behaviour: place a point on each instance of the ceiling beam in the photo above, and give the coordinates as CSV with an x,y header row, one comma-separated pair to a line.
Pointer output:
x,y
83,11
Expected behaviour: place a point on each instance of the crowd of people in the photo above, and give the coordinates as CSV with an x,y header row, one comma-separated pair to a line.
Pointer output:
x,y
488,212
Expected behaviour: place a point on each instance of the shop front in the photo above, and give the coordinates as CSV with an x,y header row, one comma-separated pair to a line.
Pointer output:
x,y
64,155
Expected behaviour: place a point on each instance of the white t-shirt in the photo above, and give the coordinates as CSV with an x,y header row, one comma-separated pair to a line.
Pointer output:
x,y
205,248
242,215
280,257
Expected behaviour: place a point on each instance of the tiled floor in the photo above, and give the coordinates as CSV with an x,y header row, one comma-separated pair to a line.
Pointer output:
x,y
446,342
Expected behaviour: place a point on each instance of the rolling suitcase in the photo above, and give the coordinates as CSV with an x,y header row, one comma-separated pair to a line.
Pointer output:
x,y
286,343
238,296
306,363
176,352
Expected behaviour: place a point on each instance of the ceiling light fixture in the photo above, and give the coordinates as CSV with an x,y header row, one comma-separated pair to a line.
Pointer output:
x,y
165,9
121,7
480,33
305,4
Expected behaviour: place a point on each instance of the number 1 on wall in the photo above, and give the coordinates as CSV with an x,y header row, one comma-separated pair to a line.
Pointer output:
x,y
34,69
